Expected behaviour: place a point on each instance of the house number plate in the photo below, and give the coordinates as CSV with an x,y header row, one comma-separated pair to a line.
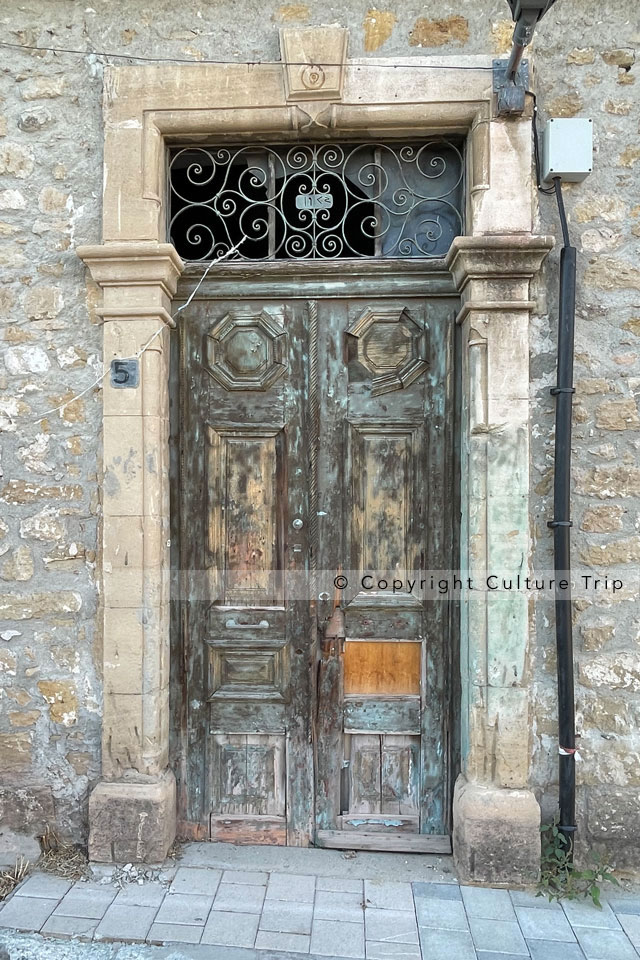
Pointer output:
x,y
314,201
125,373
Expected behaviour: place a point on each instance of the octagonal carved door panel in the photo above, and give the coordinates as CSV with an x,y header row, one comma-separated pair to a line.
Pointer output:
x,y
313,439
246,351
388,344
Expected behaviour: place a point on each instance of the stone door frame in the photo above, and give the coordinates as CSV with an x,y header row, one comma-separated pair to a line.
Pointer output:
x,y
132,810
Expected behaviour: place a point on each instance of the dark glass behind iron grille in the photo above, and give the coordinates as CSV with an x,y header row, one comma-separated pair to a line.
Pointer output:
x,y
316,201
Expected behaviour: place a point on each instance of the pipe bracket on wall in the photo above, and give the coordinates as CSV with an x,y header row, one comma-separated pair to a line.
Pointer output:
x,y
510,92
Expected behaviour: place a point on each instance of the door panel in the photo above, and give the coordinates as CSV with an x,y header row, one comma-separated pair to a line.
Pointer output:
x,y
313,444
246,468
384,779
382,667
388,726
249,640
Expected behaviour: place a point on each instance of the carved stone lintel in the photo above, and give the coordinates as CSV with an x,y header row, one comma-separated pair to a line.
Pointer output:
x,y
497,267
314,59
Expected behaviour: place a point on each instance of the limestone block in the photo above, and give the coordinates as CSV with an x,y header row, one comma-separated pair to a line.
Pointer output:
x,y
619,108
496,834
46,525
24,718
609,482
155,719
154,377
476,652
508,356
34,118
595,638
42,88
581,55
619,57
15,844
8,661
137,279
62,699
26,808
26,359
123,487
618,415
123,339
122,734
16,161
23,606
610,554
438,33
507,634
37,455
52,200
124,545
5,546
12,200
378,26
156,649
597,240
613,823
18,566
16,755
123,651
136,217
132,822
43,303
619,671
507,452
606,713
609,273
155,467
508,713
135,733
507,206
567,105
315,59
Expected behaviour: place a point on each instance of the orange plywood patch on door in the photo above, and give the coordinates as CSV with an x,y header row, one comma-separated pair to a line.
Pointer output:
x,y
381,667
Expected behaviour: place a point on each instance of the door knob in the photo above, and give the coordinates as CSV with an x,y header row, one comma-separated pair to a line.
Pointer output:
x,y
297,524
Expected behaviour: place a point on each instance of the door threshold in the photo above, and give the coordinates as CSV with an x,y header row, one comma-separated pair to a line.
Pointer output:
x,y
384,842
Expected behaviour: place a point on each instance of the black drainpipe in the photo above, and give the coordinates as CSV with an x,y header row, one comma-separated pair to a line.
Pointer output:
x,y
561,525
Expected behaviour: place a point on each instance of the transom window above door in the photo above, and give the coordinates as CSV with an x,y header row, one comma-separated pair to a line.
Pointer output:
x,y
316,201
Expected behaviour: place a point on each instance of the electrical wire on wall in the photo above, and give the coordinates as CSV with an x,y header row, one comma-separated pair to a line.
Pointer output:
x,y
561,523
109,54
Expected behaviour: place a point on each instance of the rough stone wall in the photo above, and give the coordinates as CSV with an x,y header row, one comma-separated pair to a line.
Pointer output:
x,y
50,173
50,188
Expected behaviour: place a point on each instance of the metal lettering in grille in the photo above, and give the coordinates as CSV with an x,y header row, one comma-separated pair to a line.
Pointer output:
x,y
316,201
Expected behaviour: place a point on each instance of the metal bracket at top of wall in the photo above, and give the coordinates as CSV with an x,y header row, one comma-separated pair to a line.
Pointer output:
x,y
510,93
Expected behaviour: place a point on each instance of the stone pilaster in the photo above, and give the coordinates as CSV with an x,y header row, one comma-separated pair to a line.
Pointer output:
x,y
132,810
491,803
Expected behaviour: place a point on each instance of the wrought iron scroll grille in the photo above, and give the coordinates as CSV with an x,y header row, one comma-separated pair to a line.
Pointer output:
x,y
318,201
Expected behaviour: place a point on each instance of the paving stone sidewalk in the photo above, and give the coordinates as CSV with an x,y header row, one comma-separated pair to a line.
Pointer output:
x,y
323,916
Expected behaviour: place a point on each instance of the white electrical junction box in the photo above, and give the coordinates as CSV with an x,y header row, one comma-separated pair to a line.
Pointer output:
x,y
567,150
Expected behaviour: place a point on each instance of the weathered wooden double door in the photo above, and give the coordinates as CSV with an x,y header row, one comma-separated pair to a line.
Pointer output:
x,y
317,491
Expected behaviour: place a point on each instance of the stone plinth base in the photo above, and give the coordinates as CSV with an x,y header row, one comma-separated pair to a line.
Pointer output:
x,y
496,834
132,822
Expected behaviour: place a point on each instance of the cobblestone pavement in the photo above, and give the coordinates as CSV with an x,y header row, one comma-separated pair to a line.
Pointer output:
x,y
215,913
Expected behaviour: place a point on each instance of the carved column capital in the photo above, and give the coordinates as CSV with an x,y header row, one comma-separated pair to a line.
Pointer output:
x,y
495,272
137,278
